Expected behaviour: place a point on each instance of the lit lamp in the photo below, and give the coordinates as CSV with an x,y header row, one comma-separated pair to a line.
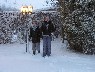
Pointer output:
x,y
26,11
30,8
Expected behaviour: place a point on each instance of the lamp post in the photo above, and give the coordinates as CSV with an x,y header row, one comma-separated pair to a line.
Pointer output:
x,y
26,11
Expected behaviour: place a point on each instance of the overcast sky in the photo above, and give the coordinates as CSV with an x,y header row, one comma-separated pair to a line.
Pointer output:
x,y
37,4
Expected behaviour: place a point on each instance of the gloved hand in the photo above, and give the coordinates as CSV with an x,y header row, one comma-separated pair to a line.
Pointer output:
x,y
42,37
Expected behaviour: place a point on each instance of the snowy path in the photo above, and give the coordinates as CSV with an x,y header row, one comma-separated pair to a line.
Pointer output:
x,y
14,59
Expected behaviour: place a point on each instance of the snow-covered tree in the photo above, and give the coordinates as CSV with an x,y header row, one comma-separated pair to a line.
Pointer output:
x,y
78,18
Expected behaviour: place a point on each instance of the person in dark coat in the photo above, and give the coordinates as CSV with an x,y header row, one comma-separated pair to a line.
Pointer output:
x,y
35,34
47,29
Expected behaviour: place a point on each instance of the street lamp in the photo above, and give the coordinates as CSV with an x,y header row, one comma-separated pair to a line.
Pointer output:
x,y
26,11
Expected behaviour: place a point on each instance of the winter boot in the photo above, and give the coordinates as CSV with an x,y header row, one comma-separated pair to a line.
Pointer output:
x,y
38,51
34,52
48,55
44,55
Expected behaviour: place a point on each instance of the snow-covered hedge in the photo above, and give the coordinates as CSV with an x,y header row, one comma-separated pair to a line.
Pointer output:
x,y
79,24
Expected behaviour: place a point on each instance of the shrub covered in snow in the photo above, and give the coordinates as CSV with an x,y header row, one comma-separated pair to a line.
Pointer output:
x,y
79,24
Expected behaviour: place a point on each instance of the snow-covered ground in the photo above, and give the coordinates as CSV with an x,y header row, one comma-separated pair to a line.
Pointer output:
x,y
14,59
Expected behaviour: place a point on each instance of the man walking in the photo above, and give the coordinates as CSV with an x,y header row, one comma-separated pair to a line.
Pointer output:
x,y
47,28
